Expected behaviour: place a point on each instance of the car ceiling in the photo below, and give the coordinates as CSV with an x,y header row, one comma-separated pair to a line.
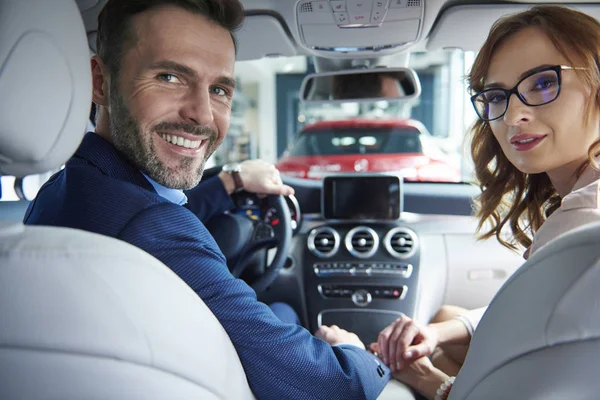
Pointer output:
x,y
272,27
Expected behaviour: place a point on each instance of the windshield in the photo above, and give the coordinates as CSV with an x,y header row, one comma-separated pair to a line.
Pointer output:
x,y
423,139
356,141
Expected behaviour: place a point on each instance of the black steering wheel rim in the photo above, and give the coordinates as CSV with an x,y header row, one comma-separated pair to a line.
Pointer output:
x,y
282,240
283,236
235,235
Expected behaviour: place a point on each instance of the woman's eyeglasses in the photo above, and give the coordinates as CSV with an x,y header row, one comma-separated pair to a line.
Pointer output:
x,y
541,86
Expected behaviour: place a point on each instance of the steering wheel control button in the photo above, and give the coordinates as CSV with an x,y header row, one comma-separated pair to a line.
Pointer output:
x,y
263,231
362,298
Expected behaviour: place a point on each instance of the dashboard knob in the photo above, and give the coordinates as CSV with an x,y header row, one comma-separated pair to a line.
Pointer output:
x,y
361,298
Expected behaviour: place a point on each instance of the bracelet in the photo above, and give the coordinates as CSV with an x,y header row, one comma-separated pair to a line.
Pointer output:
x,y
444,390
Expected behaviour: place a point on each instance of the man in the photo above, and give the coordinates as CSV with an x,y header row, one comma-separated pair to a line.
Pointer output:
x,y
212,196
164,82
255,176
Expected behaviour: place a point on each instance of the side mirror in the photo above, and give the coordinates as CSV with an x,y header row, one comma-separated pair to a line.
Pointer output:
x,y
365,85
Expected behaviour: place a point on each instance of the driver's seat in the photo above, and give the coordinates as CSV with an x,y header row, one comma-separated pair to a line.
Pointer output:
x,y
83,315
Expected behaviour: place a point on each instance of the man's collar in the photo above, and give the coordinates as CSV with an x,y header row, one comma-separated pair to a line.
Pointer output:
x,y
173,195
99,152
95,150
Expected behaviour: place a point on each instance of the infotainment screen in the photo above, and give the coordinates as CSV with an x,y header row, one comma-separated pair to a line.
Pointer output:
x,y
376,197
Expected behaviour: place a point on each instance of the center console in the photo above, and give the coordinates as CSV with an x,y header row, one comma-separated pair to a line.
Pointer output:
x,y
361,265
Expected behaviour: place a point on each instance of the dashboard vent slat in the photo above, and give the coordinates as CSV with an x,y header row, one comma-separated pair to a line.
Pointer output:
x,y
401,242
362,242
324,242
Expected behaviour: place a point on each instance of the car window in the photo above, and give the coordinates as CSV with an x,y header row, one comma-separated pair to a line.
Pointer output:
x,y
340,141
29,187
268,108
31,184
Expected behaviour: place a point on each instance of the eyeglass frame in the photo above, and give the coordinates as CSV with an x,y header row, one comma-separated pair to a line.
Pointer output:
x,y
509,92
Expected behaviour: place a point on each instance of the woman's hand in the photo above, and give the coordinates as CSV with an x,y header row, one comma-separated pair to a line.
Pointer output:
x,y
404,341
420,375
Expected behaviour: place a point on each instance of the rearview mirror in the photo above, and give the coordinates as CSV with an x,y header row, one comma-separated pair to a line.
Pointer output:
x,y
375,84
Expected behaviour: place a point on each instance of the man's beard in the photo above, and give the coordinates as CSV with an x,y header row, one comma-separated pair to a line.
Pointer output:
x,y
139,149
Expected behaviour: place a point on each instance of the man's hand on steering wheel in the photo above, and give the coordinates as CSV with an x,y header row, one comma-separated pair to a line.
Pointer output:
x,y
238,237
259,177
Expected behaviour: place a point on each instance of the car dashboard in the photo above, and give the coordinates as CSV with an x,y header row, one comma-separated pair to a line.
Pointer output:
x,y
362,274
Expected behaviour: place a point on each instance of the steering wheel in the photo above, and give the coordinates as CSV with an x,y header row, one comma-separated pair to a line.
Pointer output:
x,y
239,238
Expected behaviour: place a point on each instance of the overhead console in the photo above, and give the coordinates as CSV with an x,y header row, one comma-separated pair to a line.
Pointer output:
x,y
354,26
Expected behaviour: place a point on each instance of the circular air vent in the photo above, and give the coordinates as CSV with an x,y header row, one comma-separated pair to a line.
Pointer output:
x,y
324,242
401,242
362,242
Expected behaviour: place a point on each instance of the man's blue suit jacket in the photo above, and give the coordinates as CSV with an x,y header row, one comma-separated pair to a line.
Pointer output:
x,y
100,191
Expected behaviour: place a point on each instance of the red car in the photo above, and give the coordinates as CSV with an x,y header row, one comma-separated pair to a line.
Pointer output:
x,y
368,145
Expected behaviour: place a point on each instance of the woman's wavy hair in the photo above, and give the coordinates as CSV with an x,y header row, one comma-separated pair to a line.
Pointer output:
x,y
509,196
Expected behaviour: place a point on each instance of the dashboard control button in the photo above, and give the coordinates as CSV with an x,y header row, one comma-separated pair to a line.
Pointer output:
x,y
361,298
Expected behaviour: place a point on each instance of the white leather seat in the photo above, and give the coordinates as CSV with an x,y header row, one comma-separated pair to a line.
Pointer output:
x,y
540,337
82,315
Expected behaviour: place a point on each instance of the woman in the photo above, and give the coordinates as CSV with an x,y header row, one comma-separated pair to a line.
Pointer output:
x,y
536,86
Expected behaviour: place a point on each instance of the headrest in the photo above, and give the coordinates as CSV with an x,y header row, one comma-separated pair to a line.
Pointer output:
x,y
45,84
